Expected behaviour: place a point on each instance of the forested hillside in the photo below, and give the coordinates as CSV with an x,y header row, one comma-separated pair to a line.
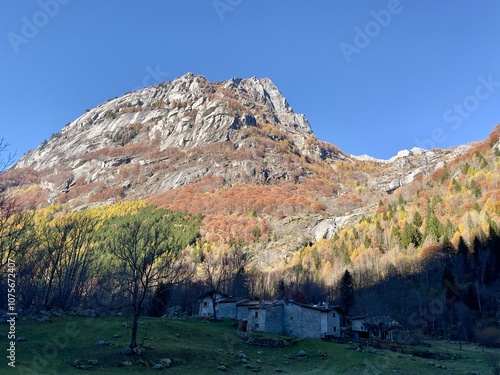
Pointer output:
x,y
255,206
430,253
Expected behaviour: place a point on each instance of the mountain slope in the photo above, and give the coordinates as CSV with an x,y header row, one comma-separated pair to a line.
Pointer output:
x,y
171,135
233,151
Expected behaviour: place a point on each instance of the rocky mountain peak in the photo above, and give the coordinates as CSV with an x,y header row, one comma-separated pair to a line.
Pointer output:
x,y
263,90
177,132
186,112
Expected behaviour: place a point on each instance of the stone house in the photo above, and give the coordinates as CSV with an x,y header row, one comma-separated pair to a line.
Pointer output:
x,y
264,316
290,319
243,309
312,321
225,305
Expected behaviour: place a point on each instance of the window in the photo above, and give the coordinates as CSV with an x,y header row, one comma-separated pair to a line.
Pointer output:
x,y
334,329
256,314
334,315
205,304
257,325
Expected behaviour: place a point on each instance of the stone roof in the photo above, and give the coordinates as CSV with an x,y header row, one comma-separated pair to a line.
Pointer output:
x,y
319,307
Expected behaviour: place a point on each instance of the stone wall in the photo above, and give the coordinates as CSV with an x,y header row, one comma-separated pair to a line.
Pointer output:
x,y
226,310
302,322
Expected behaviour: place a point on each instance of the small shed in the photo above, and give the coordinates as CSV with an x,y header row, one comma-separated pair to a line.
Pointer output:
x,y
382,328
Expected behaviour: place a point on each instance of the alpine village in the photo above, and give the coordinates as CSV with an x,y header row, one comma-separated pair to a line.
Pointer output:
x,y
200,227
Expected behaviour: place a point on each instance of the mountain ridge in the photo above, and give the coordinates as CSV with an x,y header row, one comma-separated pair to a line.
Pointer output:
x,y
183,90
183,116
233,151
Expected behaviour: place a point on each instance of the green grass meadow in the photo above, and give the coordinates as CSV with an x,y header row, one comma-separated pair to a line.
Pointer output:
x,y
197,347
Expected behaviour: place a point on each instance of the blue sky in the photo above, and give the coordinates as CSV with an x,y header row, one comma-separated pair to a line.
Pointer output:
x,y
371,76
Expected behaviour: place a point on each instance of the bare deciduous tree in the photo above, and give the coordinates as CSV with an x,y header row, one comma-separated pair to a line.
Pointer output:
x,y
221,268
146,248
10,225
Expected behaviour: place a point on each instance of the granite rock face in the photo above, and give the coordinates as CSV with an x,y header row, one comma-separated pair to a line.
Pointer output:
x,y
325,229
185,113
172,135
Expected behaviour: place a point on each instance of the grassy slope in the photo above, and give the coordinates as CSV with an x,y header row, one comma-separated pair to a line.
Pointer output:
x,y
201,347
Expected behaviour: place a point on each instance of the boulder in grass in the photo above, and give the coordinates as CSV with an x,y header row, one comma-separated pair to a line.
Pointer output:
x,y
126,351
166,362
138,350
241,354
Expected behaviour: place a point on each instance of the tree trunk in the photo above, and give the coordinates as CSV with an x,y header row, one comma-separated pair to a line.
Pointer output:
x,y
135,326
137,313
214,307
478,298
